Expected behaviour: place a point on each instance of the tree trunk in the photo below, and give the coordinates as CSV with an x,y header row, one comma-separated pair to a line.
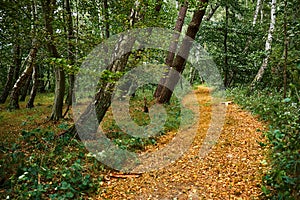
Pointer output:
x,y
257,9
71,52
25,89
268,47
48,9
173,47
59,94
106,18
104,94
262,13
285,50
183,53
14,96
226,66
35,85
11,74
192,75
212,12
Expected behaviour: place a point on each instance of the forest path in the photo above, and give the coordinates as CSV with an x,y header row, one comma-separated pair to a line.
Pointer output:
x,y
232,170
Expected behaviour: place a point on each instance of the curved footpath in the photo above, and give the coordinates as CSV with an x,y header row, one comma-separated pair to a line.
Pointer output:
x,y
232,170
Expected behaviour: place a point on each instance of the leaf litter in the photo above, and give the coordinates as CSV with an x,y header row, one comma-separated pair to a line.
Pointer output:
x,y
233,169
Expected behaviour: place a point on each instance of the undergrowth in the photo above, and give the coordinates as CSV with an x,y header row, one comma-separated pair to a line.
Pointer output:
x,y
283,115
39,165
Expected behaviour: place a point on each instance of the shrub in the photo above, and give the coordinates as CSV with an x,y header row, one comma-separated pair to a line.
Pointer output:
x,y
283,115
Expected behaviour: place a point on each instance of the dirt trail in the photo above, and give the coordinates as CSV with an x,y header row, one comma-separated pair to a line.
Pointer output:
x,y
232,170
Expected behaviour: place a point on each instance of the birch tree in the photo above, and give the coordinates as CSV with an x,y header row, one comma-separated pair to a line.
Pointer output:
x,y
257,9
268,46
14,96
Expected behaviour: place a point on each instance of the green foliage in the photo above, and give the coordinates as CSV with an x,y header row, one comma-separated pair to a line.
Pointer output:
x,y
42,166
283,180
124,140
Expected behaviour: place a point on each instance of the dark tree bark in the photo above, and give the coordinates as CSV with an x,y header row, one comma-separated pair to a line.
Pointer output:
x,y
212,12
25,89
226,66
285,50
35,85
183,53
48,9
11,74
14,96
106,18
173,47
71,51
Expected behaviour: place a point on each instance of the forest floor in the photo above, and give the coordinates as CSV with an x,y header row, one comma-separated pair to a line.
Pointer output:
x,y
232,170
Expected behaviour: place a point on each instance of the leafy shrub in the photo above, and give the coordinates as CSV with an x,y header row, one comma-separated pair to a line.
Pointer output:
x,y
41,166
283,180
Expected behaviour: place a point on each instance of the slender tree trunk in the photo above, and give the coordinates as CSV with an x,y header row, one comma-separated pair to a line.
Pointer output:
x,y
268,47
257,9
48,9
262,13
183,53
173,47
285,50
71,51
14,96
11,72
42,83
192,75
212,12
25,89
226,66
35,85
106,18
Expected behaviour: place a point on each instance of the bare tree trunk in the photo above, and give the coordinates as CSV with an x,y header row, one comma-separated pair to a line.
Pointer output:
x,y
106,18
226,66
14,96
192,75
262,13
257,9
183,53
268,47
212,12
35,85
48,9
71,51
25,88
11,72
173,47
285,50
